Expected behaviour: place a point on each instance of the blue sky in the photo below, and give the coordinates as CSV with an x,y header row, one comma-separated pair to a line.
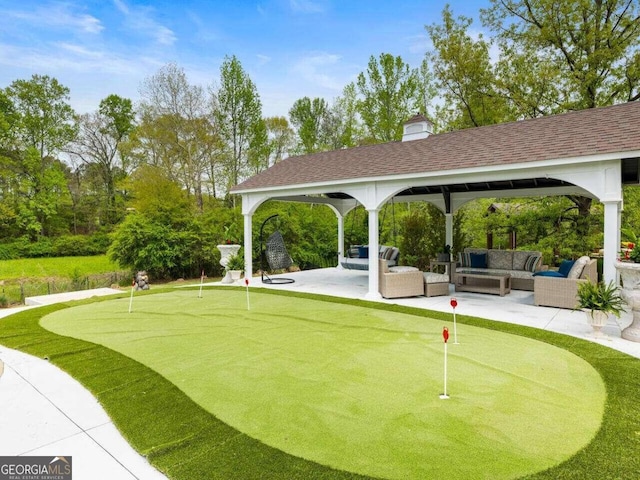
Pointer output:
x,y
289,48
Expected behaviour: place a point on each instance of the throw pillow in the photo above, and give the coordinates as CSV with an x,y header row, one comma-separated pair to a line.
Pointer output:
x,y
565,267
578,266
531,263
548,273
464,259
363,252
478,260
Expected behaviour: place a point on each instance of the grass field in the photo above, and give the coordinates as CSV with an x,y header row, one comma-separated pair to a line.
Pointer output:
x,y
28,277
184,440
68,267
355,388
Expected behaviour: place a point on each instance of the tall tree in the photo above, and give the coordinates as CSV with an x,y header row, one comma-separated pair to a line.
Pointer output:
x,y
44,125
176,131
98,146
464,75
390,95
345,108
280,138
594,43
237,110
308,116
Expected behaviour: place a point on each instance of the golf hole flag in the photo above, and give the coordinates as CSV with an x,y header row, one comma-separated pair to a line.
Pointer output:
x,y
445,337
454,304
246,282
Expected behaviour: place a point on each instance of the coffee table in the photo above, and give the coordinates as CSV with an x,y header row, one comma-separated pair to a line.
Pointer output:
x,y
481,282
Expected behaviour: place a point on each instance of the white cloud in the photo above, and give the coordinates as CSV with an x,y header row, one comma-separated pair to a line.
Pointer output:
x,y
56,16
140,19
306,6
420,43
263,59
317,68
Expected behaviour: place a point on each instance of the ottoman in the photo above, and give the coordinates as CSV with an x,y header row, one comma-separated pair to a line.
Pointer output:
x,y
435,284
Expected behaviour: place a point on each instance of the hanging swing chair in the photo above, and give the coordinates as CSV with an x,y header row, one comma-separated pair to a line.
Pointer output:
x,y
275,254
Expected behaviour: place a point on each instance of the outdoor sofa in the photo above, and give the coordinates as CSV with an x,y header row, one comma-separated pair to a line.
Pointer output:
x,y
358,257
562,292
396,282
520,264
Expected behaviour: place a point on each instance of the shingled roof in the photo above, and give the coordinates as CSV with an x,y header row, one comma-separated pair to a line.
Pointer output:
x,y
607,130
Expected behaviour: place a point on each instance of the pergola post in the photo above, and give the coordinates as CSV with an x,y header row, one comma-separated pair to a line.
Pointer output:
x,y
448,229
612,211
374,290
340,239
248,246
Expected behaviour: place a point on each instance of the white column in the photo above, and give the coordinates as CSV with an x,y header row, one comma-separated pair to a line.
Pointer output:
x,y
248,247
374,291
448,229
340,239
611,239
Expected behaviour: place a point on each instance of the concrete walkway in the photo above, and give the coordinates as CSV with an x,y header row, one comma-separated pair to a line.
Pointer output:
x,y
43,411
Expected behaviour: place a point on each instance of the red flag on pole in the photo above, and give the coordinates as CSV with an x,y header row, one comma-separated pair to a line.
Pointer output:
x,y
454,303
445,334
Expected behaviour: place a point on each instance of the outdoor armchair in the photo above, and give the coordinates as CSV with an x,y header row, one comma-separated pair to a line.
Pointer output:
x,y
562,292
400,283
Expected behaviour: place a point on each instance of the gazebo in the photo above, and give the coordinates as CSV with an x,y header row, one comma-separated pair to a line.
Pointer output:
x,y
589,152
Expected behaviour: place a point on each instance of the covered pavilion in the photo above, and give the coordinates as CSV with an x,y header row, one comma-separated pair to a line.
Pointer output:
x,y
591,153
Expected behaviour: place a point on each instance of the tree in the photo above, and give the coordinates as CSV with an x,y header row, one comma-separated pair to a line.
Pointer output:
x,y
307,116
349,131
259,147
280,138
464,75
98,147
44,123
237,110
594,44
158,235
390,95
175,131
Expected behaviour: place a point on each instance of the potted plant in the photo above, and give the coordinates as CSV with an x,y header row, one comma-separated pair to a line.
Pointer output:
x,y
230,236
445,256
598,301
235,266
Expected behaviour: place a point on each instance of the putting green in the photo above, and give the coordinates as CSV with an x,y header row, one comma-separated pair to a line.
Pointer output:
x,y
356,388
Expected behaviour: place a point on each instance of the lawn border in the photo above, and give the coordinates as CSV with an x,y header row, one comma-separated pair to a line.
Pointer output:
x,y
184,441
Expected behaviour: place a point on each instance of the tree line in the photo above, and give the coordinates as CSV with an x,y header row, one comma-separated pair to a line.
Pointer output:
x,y
84,182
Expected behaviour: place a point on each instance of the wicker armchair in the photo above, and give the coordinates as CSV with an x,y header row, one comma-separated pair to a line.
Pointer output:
x,y
562,292
399,284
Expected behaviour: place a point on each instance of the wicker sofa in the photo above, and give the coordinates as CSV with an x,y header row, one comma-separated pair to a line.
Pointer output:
x,y
520,264
563,292
358,256
403,282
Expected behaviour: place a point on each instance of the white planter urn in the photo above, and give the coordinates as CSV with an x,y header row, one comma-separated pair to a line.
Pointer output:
x,y
597,319
630,278
227,251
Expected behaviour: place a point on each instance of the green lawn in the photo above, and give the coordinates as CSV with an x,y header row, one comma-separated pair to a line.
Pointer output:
x,y
25,268
366,379
31,277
